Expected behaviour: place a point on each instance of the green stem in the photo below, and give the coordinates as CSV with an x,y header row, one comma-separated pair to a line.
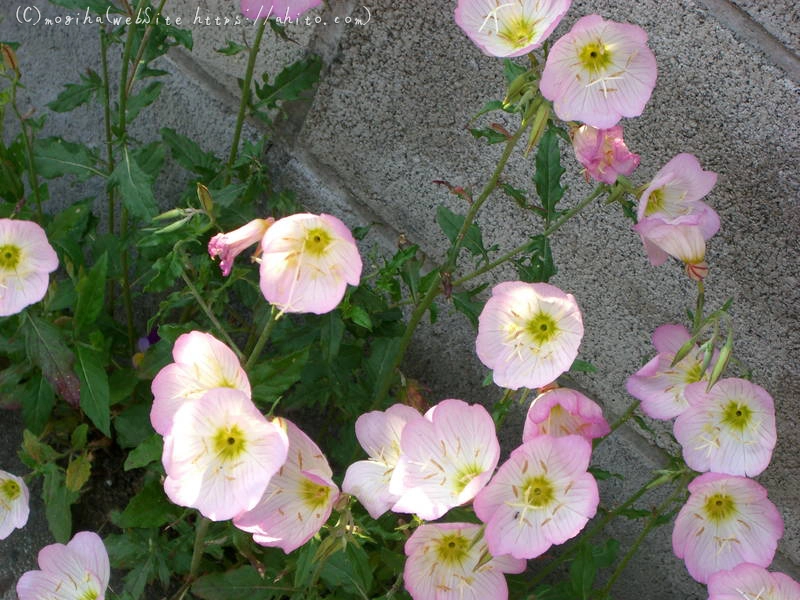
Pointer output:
x,y
262,340
33,179
598,191
199,544
210,314
248,81
500,410
143,46
652,523
698,312
110,199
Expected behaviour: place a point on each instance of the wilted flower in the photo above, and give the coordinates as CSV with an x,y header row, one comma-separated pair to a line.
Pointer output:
x,y
279,9
14,507
599,72
450,561
509,28
26,261
379,434
77,571
563,412
730,429
202,363
307,262
658,384
726,521
220,454
445,459
528,333
542,495
603,153
751,582
299,498
227,246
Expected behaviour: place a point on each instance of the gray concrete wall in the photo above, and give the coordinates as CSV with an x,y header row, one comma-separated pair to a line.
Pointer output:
x,y
388,118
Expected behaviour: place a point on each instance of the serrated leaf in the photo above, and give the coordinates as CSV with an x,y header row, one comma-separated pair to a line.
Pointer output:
x,y
149,451
94,388
143,99
91,294
54,157
464,303
451,224
45,346
548,173
151,158
76,94
231,49
538,266
190,155
78,471
135,186
492,136
290,83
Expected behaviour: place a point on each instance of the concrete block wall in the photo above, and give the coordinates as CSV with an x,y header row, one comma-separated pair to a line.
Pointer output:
x,y
388,118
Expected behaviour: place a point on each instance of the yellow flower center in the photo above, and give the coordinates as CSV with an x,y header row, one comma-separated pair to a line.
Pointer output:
x,y
314,495
538,492
10,489
317,241
90,595
9,257
694,373
719,507
518,32
655,202
737,415
229,442
542,328
465,475
595,57
452,549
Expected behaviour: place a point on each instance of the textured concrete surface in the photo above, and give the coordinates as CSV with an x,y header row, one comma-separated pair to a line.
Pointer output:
x,y
389,118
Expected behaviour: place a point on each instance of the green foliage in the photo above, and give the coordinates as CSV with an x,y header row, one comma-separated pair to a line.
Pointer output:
x,y
77,94
289,85
548,174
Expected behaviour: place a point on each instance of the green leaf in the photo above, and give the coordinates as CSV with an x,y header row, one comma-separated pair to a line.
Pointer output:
x,y
538,266
53,157
548,173
78,437
273,377
635,513
133,425
349,571
57,501
75,94
94,388
243,583
331,334
144,98
582,572
149,508
512,70
381,357
290,83
359,316
190,155
464,303
78,471
232,49
492,136
151,158
135,186
37,404
602,475
451,224
68,228
45,346
147,452
605,555
91,290
582,366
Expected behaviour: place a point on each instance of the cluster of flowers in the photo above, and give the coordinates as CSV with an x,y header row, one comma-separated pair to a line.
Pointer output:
x,y
728,530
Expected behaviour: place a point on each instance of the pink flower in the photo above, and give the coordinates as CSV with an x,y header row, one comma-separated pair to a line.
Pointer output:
x,y
542,495
676,191
220,454
528,333
660,386
730,429
752,582
307,262
278,9
14,499
726,521
202,363
299,498
379,434
603,153
227,246
563,412
26,260
450,561
501,28
77,571
685,240
445,459
599,72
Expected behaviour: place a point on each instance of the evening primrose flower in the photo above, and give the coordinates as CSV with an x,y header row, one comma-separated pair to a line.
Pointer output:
x,y
599,72
202,363
14,507
299,498
307,262
729,429
660,386
542,495
278,9
221,453
684,239
77,571
450,561
445,459
562,412
509,28
227,246
603,153
26,261
379,434
751,582
528,334
726,521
